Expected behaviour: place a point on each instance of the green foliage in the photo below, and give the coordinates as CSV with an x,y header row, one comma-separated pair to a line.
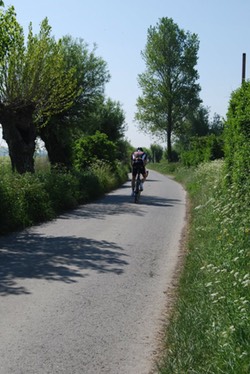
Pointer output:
x,y
199,122
112,121
11,57
124,151
91,149
169,88
107,117
217,124
156,152
56,85
34,73
24,201
202,138
209,328
91,74
86,111
50,82
203,149
62,188
237,139
30,198
35,84
104,173
164,167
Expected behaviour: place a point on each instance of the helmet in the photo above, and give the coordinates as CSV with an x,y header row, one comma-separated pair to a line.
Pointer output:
x,y
139,149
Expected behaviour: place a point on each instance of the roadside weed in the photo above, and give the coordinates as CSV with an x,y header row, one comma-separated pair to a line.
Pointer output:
x,y
209,331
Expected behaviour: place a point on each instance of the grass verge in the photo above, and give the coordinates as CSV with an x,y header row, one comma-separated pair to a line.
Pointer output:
x,y
209,329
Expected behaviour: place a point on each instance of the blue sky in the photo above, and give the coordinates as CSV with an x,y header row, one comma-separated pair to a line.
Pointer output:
x,y
119,28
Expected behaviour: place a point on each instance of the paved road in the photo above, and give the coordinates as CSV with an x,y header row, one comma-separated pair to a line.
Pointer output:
x,y
85,293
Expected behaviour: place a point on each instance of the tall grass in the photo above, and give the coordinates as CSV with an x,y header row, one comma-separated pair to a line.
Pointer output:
x,y
209,331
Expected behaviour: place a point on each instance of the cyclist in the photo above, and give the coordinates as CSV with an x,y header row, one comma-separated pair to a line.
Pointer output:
x,y
138,161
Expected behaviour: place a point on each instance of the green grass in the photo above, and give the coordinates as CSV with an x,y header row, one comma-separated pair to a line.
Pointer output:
x,y
209,330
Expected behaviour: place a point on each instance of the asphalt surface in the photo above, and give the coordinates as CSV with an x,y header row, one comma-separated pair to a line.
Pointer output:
x,y
85,293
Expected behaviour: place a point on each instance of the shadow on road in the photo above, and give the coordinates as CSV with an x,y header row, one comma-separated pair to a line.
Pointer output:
x,y
26,256
115,204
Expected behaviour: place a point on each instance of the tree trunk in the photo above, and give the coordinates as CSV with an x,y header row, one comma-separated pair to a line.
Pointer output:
x,y
58,147
19,132
169,146
169,135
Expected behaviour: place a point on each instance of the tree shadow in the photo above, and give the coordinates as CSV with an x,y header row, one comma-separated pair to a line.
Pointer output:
x,y
65,259
157,201
28,255
115,204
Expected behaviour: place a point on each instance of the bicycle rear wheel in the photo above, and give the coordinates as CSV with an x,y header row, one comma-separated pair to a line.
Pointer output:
x,y
137,197
137,191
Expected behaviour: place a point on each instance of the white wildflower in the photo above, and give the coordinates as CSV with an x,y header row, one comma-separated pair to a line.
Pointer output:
x,y
243,354
214,294
232,328
246,283
210,266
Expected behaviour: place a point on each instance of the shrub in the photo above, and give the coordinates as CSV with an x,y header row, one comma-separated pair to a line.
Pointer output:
x,y
90,149
62,188
10,211
237,138
30,198
24,201
203,149
35,200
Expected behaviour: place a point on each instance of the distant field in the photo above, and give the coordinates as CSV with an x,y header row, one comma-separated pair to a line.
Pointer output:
x,y
4,151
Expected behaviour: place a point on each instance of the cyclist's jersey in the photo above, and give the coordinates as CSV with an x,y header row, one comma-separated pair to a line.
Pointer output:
x,y
138,159
138,162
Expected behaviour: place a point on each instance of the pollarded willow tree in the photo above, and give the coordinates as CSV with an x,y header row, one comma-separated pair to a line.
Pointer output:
x,y
35,84
169,85
90,75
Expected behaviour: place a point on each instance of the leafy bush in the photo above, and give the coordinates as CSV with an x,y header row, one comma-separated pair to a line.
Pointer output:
x,y
10,209
89,186
24,201
30,198
164,166
93,148
35,200
62,188
203,149
237,139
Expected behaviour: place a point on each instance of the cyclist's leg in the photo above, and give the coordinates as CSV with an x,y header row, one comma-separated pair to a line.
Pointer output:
x,y
134,172
144,175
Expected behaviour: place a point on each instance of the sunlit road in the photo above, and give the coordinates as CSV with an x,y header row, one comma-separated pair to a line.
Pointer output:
x,y
85,293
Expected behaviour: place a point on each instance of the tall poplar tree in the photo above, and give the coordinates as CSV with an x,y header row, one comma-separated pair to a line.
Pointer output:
x,y
169,85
